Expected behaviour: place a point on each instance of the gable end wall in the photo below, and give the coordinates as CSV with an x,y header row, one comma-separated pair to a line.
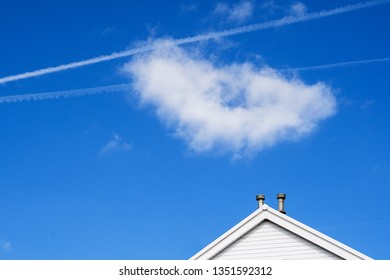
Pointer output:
x,y
270,241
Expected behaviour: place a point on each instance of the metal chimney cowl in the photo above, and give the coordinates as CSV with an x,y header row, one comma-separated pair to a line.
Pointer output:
x,y
281,197
260,199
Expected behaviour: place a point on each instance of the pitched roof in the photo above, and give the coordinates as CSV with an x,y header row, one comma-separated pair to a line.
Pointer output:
x,y
266,214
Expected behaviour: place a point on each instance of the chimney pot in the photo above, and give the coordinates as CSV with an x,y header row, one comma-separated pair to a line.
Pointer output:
x,y
260,199
281,197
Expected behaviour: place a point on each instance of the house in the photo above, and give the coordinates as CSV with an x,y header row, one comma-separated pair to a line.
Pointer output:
x,y
271,234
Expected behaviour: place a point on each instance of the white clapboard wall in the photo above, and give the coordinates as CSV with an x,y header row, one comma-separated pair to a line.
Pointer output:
x,y
270,241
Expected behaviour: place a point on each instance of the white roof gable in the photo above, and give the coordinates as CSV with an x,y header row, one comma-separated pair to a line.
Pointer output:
x,y
249,240
268,241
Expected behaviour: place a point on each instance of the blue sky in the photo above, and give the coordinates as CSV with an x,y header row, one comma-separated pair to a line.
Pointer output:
x,y
210,103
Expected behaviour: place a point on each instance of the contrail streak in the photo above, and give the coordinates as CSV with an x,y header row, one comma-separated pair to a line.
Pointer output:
x,y
202,37
65,93
124,87
335,65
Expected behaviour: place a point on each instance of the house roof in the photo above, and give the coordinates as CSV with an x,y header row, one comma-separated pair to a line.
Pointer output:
x,y
266,213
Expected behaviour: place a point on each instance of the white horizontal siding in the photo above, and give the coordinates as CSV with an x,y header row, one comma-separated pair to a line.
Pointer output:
x,y
270,241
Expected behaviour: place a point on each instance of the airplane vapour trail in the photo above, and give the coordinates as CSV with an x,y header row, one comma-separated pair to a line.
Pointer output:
x,y
202,37
339,64
123,87
65,93
281,22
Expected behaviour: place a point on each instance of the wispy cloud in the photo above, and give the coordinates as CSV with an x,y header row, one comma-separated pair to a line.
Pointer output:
x,y
298,9
269,5
337,65
234,108
5,246
234,13
212,35
62,94
367,104
189,8
109,30
116,143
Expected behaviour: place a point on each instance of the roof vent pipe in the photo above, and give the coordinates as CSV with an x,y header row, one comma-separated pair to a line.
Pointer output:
x,y
281,197
260,199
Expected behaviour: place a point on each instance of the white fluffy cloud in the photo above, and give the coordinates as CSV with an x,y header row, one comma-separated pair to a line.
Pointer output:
x,y
236,108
